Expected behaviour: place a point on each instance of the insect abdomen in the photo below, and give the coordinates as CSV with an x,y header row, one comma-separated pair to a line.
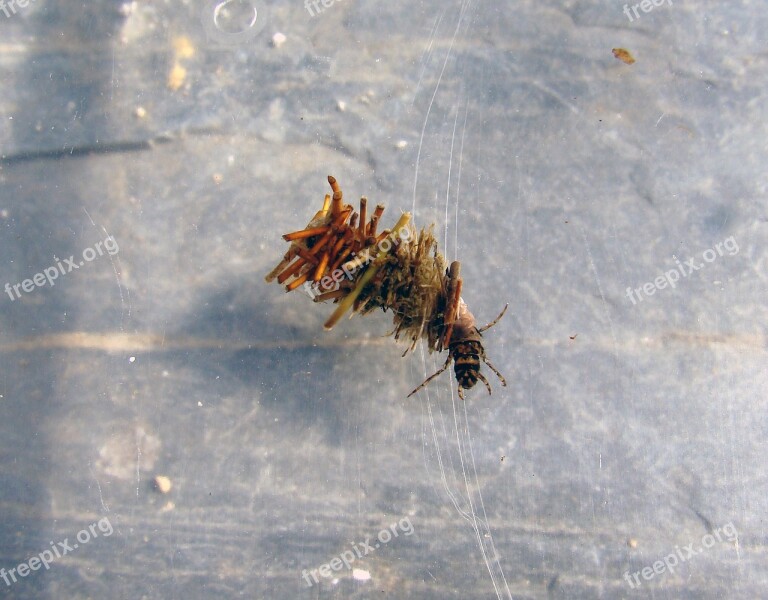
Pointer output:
x,y
466,362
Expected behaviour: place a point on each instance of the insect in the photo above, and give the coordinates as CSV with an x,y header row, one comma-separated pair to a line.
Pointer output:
x,y
623,55
340,256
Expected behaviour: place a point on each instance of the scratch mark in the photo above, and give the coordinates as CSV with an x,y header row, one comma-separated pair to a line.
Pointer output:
x,y
602,294
434,94
112,259
101,496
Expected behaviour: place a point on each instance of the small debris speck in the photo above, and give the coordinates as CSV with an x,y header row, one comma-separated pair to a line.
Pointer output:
x,y
163,484
127,8
183,48
176,77
623,55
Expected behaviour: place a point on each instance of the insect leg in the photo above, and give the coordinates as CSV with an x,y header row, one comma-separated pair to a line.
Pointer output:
x,y
496,320
495,370
482,378
431,377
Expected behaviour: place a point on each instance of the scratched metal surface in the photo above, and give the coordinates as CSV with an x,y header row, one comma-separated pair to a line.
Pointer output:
x,y
631,430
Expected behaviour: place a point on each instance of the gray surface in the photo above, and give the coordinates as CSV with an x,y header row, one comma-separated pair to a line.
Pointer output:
x,y
580,176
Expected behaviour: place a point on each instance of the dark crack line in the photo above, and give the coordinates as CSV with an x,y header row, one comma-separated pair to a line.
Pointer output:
x,y
86,150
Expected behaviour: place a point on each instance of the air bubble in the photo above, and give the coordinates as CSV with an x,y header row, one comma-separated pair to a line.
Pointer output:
x,y
230,23
235,16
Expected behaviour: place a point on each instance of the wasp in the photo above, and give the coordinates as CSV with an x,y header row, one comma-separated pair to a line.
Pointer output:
x,y
340,256
464,346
